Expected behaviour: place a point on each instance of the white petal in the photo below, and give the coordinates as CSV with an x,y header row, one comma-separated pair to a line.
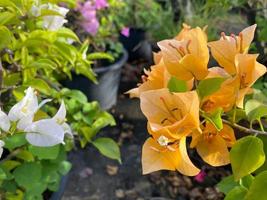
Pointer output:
x,y
61,114
43,103
67,130
24,122
45,132
1,147
4,121
28,105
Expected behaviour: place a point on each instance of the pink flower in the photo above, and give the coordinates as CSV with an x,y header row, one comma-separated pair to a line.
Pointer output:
x,y
100,4
91,26
200,177
125,31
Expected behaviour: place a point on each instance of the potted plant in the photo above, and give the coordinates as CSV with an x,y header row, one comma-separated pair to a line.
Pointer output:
x,y
36,131
96,21
148,21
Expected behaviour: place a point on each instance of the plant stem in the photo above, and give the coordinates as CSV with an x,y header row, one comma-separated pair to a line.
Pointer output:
x,y
244,129
11,155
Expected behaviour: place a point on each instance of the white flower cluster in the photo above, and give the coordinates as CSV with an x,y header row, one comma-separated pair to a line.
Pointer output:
x,y
51,22
44,132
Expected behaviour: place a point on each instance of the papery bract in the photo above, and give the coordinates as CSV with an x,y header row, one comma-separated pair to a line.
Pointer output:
x,y
157,157
176,112
60,119
45,132
212,145
225,49
100,4
125,31
186,58
54,22
4,121
2,144
157,78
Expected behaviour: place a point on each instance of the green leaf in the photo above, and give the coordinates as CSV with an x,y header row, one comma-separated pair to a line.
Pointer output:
x,y
67,33
257,190
7,17
15,141
12,79
227,184
65,167
25,155
10,164
255,110
238,193
5,37
28,174
100,55
45,152
246,181
75,94
246,156
40,85
208,86
176,85
2,174
108,147
215,118
264,166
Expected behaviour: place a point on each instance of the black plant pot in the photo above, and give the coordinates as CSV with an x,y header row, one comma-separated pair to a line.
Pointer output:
x,y
105,92
137,45
58,195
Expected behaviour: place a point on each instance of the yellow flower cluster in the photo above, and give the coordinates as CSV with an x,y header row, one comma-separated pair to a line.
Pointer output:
x,y
175,116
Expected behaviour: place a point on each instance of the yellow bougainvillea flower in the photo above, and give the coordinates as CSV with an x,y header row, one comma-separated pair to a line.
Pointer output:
x,y
177,113
225,49
186,58
248,71
226,96
160,154
212,145
157,78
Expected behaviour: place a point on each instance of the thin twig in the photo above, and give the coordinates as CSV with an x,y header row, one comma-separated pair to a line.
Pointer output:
x,y
244,129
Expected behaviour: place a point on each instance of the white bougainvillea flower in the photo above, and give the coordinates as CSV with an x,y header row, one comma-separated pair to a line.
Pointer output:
x,y
2,144
54,22
23,112
44,133
4,121
27,106
60,118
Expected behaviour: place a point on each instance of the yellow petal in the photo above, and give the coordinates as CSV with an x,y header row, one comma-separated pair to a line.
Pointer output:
x,y
154,160
224,53
157,57
185,166
247,37
157,79
198,44
155,157
213,151
176,111
195,65
228,134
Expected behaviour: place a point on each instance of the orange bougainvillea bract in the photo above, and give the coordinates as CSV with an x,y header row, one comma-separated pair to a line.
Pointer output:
x,y
185,100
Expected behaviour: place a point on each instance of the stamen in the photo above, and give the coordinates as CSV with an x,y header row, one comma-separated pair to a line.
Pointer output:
x,y
235,38
223,35
177,49
169,110
181,49
163,141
